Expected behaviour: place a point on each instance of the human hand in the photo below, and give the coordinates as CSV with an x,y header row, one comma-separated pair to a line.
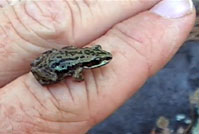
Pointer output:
x,y
142,40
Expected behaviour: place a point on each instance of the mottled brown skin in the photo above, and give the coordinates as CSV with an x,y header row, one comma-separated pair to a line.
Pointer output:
x,y
54,65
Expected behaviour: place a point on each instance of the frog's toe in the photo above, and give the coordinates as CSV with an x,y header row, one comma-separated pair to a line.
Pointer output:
x,y
78,77
79,80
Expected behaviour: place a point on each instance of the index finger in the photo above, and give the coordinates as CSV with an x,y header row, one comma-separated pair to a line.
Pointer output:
x,y
29,28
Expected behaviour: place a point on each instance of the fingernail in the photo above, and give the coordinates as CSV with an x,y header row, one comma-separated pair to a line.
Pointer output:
x,y
173,8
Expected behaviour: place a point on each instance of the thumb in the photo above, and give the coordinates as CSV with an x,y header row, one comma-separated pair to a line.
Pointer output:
x,y
141,46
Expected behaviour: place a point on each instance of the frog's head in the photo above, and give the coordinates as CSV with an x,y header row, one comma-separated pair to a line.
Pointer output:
x,y
98,58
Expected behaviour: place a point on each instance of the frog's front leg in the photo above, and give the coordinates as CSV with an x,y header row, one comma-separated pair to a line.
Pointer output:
x,y
78,74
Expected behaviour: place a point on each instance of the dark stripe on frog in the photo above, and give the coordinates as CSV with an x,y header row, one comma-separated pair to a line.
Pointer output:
x,y
88,52
71,52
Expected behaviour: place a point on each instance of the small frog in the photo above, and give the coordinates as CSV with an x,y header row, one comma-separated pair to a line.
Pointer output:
x,y
54,65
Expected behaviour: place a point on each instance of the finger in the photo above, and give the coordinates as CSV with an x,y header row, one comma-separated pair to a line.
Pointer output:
x,y
32,27
140,47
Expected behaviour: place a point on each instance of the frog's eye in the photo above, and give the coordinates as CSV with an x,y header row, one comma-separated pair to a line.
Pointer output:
x,y
108,58
62,67
54,65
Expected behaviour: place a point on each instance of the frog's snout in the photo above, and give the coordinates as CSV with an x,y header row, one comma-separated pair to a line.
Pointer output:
x,y
109,58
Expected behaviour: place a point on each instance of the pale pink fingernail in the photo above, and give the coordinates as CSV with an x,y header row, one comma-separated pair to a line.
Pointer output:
x,y
173,8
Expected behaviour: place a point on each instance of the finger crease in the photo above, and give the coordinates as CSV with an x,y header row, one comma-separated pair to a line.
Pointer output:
x,y
53,96
18,34
79,9
87,94
72,19
95,81
88,5
33,18
11,24
21,107
69,90
29,89
38,7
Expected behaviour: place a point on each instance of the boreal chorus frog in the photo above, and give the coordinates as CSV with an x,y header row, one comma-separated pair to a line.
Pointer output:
x,y
54,65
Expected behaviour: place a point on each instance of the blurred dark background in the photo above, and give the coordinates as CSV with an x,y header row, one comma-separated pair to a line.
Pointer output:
x,y
165,94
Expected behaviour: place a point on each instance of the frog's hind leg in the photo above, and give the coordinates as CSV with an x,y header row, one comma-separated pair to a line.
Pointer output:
x,y
78,75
